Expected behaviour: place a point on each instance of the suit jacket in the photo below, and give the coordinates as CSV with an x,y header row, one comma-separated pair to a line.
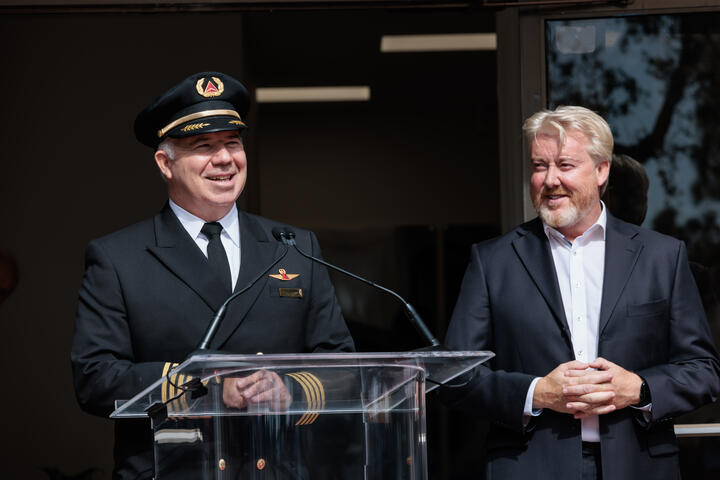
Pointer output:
x,y
651,322
148,295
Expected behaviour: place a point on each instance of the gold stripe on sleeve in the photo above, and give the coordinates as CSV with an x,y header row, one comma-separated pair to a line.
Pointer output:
x,y
320,388
309,396
318,393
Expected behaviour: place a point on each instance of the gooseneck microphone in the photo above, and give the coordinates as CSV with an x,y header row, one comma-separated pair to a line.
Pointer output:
x,y
217,319
287,237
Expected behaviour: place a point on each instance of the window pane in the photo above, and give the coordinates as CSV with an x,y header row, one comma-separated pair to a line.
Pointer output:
x,y
655,78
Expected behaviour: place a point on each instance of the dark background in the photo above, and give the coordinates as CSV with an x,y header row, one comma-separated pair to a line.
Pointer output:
x,y
396,188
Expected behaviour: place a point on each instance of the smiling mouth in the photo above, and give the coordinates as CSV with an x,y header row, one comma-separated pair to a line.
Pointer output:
x,y
221,178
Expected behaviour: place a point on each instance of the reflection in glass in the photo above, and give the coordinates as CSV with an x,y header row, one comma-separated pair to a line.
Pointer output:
x,y
656,80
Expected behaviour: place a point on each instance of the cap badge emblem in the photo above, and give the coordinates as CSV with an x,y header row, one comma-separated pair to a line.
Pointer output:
x,y
213,88
283,275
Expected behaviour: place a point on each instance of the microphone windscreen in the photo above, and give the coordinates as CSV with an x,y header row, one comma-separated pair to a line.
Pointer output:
x,y
282,233
278,233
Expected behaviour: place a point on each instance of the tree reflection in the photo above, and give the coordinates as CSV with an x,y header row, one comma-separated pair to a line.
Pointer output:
x,y
655,79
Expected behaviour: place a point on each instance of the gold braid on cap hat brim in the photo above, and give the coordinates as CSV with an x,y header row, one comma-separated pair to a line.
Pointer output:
x,y
194,116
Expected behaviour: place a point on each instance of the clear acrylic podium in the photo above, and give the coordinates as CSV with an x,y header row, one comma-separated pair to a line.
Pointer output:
x,y
343,416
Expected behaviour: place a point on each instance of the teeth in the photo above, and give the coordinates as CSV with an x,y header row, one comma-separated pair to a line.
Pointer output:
x,y
228,177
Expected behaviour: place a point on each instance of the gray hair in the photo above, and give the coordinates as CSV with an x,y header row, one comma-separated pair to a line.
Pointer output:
x,y
558,122
167,146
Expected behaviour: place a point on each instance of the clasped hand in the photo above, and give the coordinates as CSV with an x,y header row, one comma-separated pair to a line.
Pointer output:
x,y
262,388
585,389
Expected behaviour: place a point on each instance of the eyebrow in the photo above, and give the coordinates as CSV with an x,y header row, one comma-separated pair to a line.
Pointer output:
x,y
198,139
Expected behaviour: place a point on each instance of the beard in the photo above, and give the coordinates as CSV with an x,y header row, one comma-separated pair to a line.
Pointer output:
x,y
579,205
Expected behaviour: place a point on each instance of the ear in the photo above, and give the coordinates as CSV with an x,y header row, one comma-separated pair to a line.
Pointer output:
x,y
603,170
163,162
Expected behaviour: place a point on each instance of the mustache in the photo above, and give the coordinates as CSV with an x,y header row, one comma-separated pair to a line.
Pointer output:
x,y
557,191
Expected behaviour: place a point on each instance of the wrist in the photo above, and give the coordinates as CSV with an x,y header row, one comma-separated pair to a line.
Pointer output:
x,y
537,402
644,394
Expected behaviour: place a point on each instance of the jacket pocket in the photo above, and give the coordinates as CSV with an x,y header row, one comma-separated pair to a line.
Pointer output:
x,y
651,308
662,442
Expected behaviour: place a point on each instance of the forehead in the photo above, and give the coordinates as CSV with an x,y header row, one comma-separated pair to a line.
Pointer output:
x,y
575,145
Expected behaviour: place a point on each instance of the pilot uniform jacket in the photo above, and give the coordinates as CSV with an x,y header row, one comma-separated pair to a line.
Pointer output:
x,y
651,322
148,295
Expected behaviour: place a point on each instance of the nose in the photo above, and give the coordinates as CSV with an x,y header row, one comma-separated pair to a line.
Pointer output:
x,y
552,177
222,156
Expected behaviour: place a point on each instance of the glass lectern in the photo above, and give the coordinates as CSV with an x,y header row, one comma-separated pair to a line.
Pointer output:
x,y
341,416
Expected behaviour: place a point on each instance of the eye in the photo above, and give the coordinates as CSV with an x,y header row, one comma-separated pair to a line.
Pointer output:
x,y
538,165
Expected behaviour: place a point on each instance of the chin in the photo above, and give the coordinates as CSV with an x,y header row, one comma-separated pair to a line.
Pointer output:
x,y
227,198
558,218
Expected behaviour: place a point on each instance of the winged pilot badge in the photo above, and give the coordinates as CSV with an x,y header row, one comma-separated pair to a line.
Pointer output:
x,y
283,275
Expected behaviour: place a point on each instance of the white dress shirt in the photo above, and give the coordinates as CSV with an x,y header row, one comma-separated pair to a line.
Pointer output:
x,y
230,235
580,267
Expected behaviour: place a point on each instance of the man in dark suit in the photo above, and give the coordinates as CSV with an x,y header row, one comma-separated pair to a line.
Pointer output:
x,y
150,290
597,325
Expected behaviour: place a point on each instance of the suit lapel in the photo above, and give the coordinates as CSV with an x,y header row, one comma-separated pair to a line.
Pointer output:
x,y
534,251
181,255
257,252
621,254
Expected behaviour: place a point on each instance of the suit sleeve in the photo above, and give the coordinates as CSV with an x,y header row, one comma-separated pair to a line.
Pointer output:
x,y
326,329
104,367
690,378
494,394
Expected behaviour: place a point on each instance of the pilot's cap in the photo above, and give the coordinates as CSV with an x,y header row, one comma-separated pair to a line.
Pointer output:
x,y
202,103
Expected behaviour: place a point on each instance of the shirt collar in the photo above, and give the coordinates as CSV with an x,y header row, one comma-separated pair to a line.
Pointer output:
x,y
194,224
599,226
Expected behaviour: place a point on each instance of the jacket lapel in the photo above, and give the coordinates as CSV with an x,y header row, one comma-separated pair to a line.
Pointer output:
x,y
181,255
621,254
257,253
533,249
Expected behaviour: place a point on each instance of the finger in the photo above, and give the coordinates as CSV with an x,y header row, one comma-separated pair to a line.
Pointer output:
x,y
233,399
261,386
595,411
275,395
589,401
597,397
584,388
250,391
578,407
265,396
242,383
601,364
592,377
575,365
587,372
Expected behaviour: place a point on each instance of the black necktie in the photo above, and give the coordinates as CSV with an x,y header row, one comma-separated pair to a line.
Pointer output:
x,y
216,253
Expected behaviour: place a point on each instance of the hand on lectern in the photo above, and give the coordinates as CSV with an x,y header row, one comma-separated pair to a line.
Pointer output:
x,y
261,388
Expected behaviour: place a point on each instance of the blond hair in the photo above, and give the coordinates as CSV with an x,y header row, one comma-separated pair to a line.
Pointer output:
x,y
556,123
